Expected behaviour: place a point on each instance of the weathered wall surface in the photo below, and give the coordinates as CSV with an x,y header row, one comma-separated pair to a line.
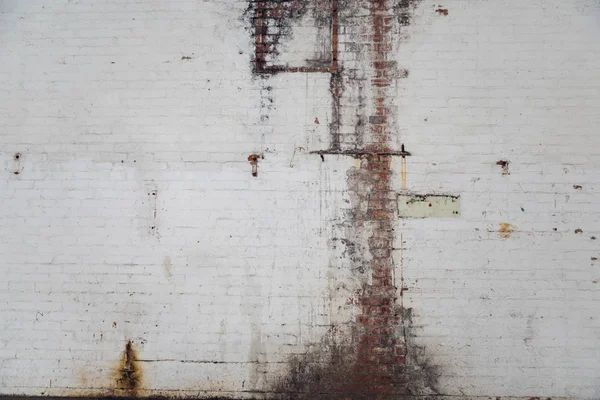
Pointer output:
x,y
200,198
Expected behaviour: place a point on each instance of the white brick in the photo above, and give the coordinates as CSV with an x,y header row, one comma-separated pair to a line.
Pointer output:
x,y
96,97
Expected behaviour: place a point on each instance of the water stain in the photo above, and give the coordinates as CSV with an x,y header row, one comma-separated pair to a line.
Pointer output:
x,y
506,230
168,267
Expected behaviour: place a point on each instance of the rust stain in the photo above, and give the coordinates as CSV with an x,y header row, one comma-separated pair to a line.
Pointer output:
x,y
128,373
442,11
577,187
253,160
504,165
506,230
403,173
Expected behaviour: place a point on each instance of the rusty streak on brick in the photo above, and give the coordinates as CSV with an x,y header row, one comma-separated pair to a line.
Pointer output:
x,y
371,361
334,36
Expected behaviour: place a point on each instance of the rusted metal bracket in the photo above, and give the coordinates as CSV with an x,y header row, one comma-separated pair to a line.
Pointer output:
x,y
359,153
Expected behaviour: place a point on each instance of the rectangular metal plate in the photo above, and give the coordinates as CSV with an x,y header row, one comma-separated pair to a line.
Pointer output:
x,y
428,206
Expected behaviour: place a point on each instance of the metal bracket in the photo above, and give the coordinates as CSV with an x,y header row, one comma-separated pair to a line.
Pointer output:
x,y
359,153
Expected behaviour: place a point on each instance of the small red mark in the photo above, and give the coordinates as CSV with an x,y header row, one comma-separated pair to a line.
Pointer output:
x,y
429,204
253,160
442,11
335,329
504,165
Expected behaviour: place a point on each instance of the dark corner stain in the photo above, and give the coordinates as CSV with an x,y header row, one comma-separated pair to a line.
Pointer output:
x,y
253,160
442,11
334,370
504,165
268,23
128,373
404,10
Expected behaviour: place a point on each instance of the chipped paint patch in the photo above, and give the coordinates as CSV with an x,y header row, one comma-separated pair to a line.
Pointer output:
x,y
428,206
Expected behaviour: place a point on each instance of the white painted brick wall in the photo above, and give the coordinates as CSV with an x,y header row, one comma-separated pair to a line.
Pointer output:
x,y
104,108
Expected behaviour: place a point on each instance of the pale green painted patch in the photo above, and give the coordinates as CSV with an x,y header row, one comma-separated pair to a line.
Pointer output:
x,y
428,206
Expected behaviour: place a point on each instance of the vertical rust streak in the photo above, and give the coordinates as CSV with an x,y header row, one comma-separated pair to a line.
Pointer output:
x,y
335,81
259,37
334,36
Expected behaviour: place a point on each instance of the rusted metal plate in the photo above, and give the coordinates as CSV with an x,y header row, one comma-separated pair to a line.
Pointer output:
x,y
428,206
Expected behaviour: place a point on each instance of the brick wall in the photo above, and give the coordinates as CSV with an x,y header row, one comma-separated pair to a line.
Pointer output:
x,y
199,198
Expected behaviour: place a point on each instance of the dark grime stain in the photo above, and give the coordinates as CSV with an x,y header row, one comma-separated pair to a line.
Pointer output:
x,y
404,10
270,22
128,372
338,369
